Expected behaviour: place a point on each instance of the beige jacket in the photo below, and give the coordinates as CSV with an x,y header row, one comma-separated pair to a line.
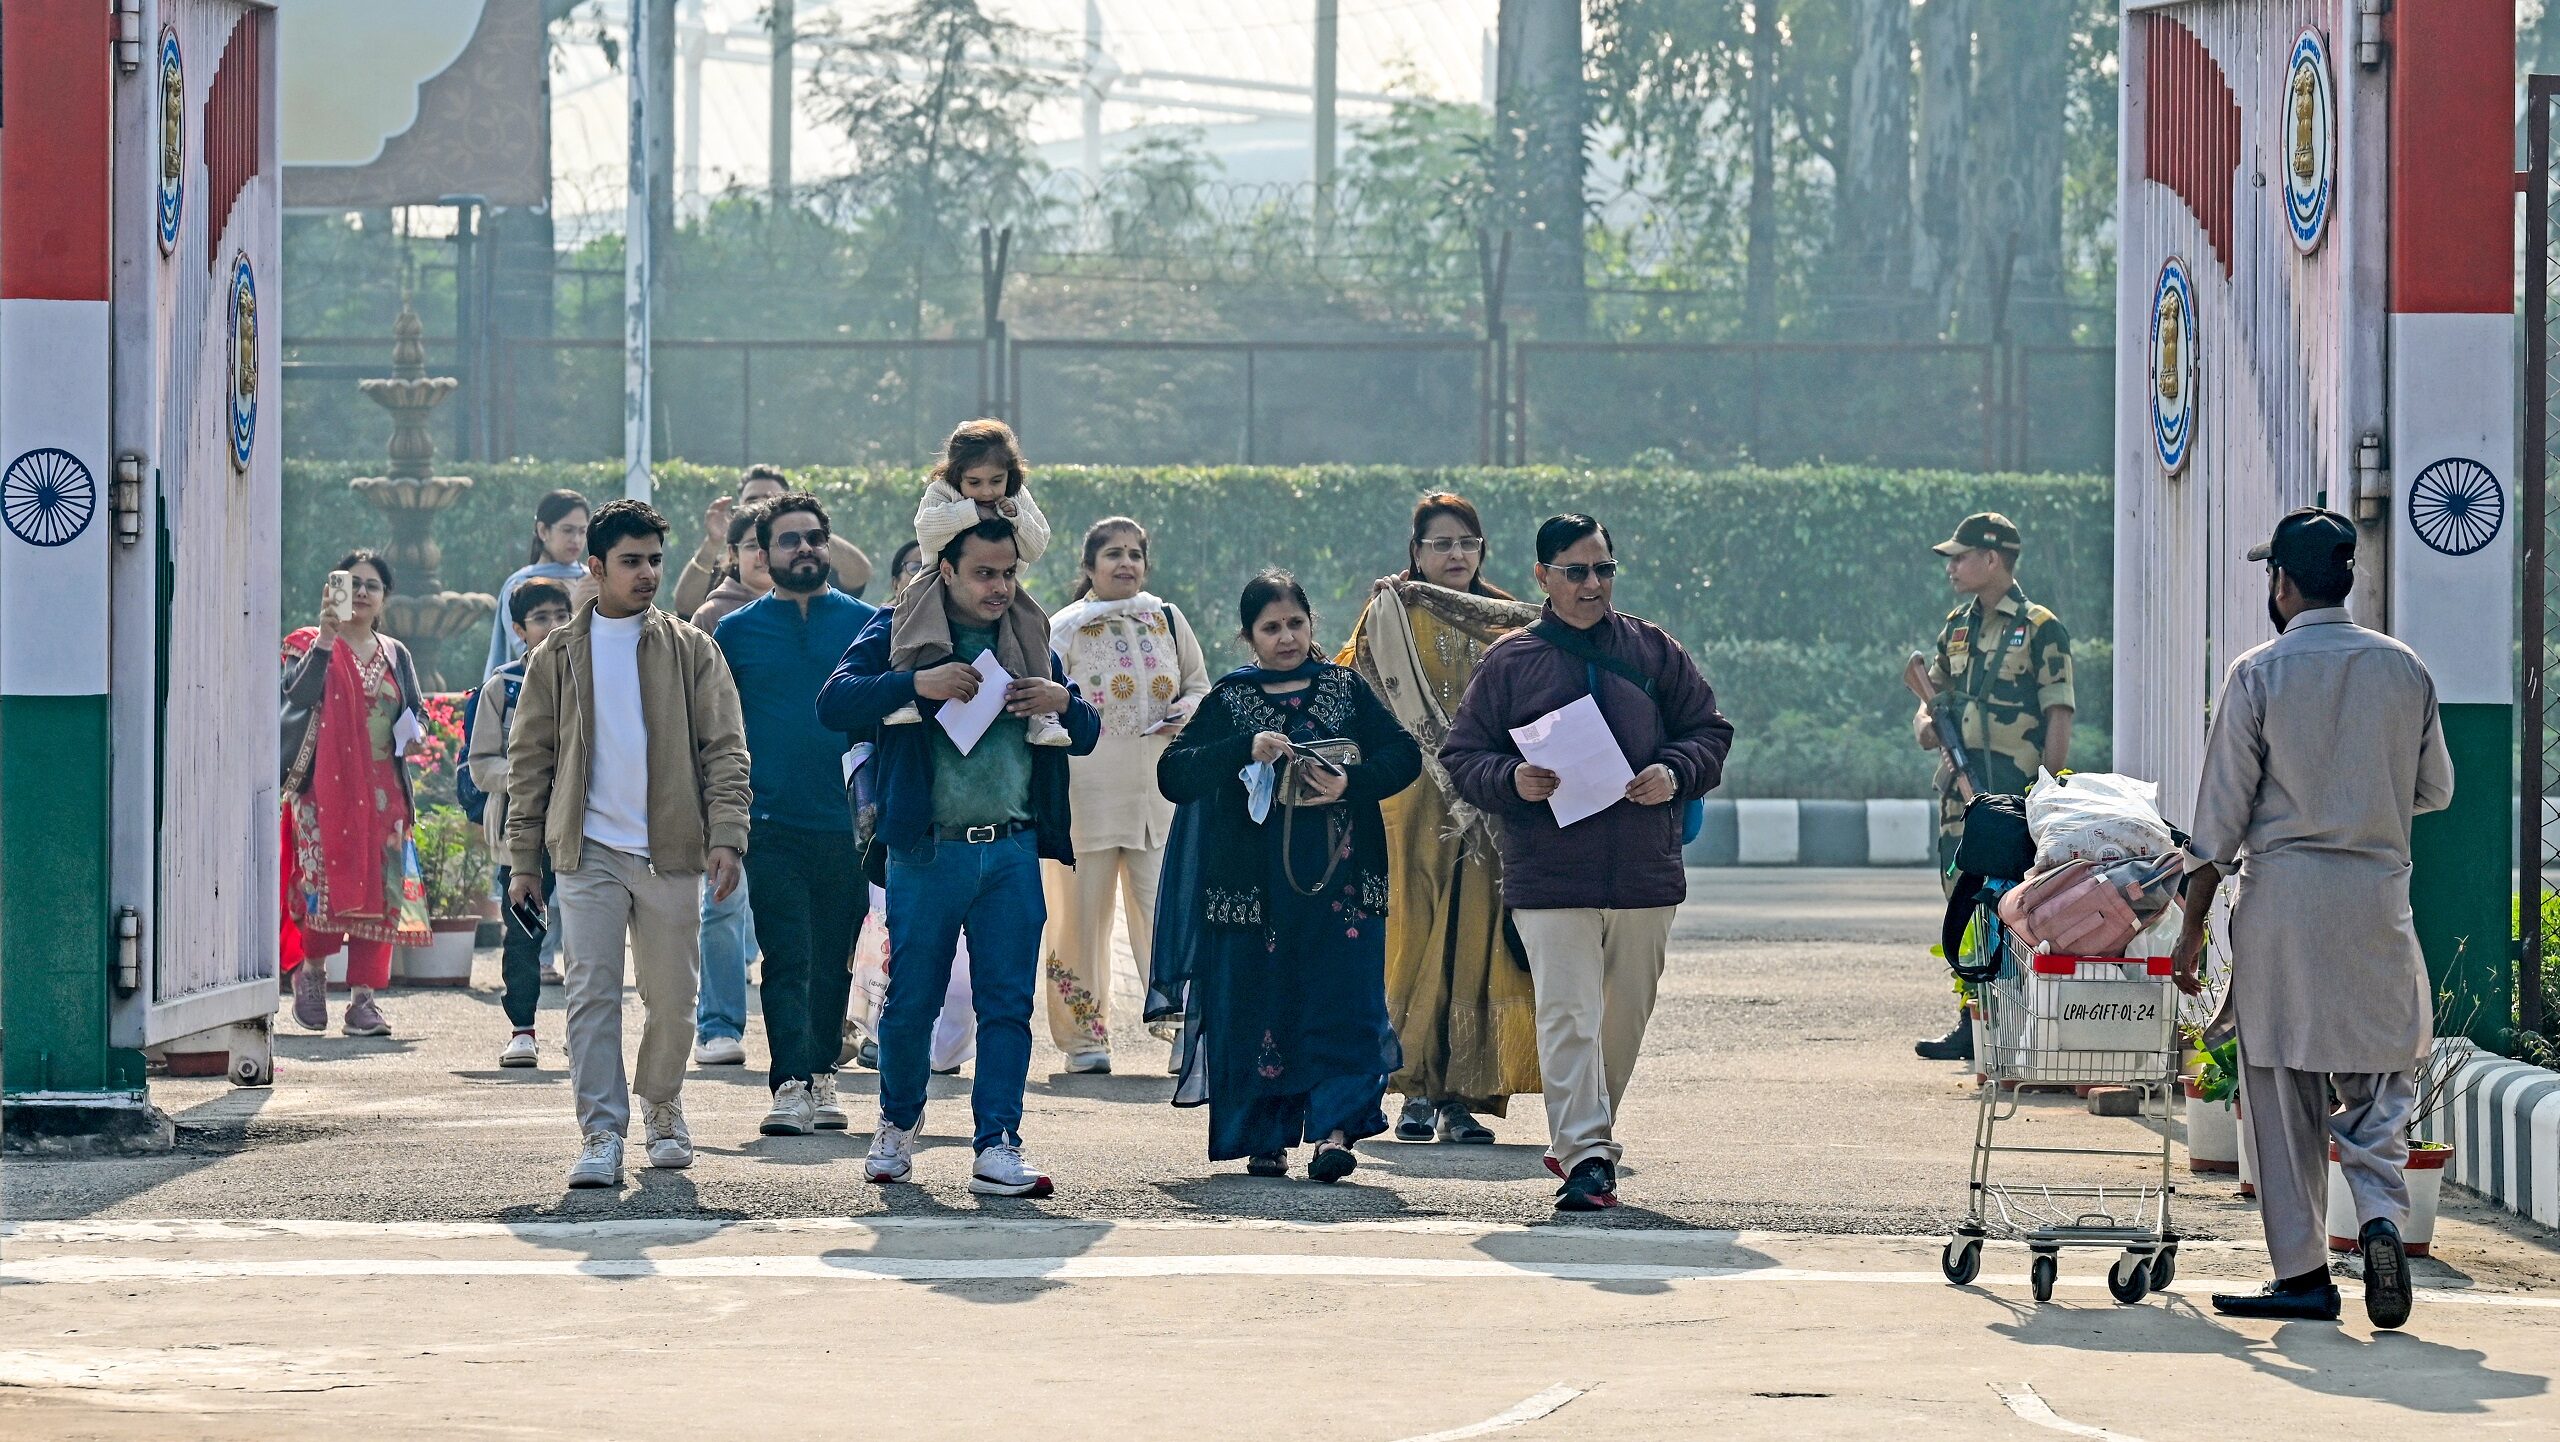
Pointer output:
x,y
488,759
697,748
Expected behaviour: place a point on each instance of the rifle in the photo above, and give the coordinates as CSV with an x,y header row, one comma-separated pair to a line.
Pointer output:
x,y
1915,675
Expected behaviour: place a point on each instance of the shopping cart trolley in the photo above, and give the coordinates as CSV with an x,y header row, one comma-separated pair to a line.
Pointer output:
x,y
2050,1020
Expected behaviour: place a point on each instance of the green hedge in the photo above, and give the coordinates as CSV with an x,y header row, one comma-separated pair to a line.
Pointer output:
x,y
1800,590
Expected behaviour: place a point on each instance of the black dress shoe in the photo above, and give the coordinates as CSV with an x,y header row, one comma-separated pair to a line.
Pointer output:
x,y
2386,1273
2317,1303
1956,1045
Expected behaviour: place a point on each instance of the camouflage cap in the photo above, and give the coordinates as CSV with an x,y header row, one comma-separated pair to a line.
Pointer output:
x,y
1981,531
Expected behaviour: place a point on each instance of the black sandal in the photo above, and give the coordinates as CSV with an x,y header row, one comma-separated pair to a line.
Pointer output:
x,y
1267,1164
1420,1121
1332,1162
1457,1124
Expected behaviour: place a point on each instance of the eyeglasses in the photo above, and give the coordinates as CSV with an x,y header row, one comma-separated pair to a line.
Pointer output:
x,y
1443,545
1578,573
363,587
798,540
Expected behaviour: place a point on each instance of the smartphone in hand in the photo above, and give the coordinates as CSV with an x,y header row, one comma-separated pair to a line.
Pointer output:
x,y
338,597
530,916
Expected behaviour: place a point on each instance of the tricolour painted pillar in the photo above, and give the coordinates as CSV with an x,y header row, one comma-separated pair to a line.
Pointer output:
x,y
2452,443
57,935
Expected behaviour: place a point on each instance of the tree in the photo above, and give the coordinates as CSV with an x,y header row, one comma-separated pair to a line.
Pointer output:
x,y
1871,224
936,99
2013,245
1944,33
1541,119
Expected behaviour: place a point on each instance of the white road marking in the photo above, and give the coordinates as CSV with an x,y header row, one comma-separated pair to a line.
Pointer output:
x,y
2031,1408
1527,1410
870,1267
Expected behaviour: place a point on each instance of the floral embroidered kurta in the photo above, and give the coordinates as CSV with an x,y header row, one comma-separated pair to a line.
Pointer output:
x,y
1138,664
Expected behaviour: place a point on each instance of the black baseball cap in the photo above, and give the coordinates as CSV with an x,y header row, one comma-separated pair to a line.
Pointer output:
x,y
2309,541
1981,531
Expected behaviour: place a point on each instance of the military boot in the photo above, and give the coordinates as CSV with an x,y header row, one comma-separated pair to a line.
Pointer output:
x,y
1956,1045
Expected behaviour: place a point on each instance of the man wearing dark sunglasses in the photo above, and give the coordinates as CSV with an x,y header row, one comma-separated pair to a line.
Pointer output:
x,y
1591,902
804,880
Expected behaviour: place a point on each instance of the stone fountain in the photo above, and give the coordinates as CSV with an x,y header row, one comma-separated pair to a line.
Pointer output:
x,y
423,613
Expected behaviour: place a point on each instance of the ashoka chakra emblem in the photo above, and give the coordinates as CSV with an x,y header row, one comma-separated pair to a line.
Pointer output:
x,y
47,497
2456,506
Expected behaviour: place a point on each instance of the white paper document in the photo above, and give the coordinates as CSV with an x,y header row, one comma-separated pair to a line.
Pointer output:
x,y
968,720
406,733
1574,742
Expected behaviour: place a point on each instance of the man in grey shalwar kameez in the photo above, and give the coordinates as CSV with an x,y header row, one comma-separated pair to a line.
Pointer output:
x,y
2324,746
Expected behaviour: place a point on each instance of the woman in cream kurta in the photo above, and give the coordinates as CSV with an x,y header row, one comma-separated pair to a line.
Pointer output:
x,y
1140,665
1462,1004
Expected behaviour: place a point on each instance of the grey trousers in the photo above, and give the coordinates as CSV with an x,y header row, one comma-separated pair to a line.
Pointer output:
x,y
2292,1125
1596,973
611,897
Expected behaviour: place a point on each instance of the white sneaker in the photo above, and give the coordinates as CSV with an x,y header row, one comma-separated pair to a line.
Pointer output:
x,y
1001,1172
599,1162
825,1112
670,1142
1096,1063
719,1051
893,1153
906,715
519,1051
1044,730
793,1114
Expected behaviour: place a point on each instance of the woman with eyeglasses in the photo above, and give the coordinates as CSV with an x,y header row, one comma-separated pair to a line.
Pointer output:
x,y
1459,995
351,715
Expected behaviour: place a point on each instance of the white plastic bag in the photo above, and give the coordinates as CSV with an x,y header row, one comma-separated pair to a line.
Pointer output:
x,y
2099,815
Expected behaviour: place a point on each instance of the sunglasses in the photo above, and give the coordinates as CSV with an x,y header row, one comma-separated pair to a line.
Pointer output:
x,y
1578,573
798,540
1443,545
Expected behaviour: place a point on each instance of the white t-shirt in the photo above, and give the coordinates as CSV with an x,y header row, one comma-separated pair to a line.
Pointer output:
x,y
618,772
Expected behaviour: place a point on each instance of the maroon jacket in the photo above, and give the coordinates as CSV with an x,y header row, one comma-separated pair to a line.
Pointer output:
x,y
1627,857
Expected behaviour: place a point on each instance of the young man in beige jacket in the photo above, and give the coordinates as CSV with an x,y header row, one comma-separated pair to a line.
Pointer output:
x,y
628,764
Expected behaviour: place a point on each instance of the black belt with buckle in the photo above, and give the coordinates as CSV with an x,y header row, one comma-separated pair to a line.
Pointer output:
x,y
980,835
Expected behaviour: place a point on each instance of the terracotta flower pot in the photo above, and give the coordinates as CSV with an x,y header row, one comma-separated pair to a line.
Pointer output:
x,y
2213,1134
444,962
2425,1175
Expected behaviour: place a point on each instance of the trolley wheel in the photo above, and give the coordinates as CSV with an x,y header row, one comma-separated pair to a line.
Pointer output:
x,y
2129,1280
2041,1275
1962,1260
2164,1267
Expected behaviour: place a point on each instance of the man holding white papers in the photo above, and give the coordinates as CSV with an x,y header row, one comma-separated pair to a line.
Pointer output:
x,y
1555,716
967,810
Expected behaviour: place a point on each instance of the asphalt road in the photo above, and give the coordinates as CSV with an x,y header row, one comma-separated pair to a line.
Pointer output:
x,y
381,1245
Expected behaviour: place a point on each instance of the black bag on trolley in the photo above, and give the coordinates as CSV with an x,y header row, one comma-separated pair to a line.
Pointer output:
x,y
1995,847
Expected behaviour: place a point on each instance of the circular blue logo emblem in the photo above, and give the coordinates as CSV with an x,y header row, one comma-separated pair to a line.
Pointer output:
x,y
173,139
2173,365
2456,506
244,361
2305,145
47,497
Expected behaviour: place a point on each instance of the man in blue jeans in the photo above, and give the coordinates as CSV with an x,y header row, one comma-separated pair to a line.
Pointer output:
x,y
802,869
965,832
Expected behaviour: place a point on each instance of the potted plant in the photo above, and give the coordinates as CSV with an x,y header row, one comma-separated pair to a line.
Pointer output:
x,y
2213,1120
454,866
2440,1085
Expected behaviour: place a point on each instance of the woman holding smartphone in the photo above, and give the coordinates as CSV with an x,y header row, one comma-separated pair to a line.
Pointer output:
x,y
351,715
1278,894
1142,668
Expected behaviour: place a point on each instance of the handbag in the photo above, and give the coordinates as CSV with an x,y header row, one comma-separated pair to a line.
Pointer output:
x,y
2071,910
1334,754
1995,843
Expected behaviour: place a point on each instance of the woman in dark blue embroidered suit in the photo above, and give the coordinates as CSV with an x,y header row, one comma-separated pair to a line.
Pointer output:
x,y
1286,1035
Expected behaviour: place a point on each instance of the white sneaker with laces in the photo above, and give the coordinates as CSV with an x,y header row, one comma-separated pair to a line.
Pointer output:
x,y
719,1051
1001,1172
1095,1063
906,715
893,1152
519,1051
670,1142
599,1162
1045,730
825,1113
793,1114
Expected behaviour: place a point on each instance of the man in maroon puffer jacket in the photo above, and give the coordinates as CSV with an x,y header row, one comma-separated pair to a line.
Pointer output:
x,y
1592,901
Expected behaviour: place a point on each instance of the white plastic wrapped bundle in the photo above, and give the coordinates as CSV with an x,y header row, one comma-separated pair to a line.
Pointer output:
x,y
2099,815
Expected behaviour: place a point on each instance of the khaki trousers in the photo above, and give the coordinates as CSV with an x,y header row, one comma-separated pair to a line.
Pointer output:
x,y
1596,973
612,897
1077,964
2291,1126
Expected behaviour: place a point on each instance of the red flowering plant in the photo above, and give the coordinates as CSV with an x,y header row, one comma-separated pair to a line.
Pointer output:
x,y
438,754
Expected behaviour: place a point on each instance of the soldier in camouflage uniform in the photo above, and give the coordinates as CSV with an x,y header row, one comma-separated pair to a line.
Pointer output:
x,y
2003,669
